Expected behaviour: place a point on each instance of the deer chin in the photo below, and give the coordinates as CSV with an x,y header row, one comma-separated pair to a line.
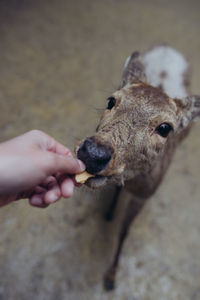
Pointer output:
x,y
100,180
97,181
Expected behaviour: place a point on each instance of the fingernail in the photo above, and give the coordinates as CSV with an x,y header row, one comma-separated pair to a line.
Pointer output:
x,y
81,164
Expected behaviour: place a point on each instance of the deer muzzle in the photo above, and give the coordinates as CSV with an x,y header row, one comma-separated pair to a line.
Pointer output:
x,y
101,160
95,155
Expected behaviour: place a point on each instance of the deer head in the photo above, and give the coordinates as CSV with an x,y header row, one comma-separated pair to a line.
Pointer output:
x,y
146,116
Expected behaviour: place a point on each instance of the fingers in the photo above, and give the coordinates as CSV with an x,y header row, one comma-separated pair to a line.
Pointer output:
x,y
66,184
49,143
51,190
59,148
37,200
53,194
44,141
54,163
54,156
60,157
46,193
67,187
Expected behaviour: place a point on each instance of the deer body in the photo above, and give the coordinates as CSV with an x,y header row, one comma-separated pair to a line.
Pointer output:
x,y
144,122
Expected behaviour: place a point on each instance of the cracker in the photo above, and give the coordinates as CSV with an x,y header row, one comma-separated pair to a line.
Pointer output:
x,y
83,177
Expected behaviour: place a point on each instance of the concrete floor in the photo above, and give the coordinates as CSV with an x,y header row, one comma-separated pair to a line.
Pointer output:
x,y
59,61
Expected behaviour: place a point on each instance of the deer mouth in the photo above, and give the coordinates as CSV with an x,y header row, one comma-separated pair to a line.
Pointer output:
x,y
97,181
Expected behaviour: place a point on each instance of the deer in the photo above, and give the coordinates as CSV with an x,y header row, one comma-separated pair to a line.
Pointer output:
x,y
145,120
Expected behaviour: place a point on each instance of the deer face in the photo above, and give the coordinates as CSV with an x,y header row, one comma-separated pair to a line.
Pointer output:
x,y
138,126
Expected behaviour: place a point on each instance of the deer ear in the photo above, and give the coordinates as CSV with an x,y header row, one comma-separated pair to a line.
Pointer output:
x,y
188,109
133,69
195,107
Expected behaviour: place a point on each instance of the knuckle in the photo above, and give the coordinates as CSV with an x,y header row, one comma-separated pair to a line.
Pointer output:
x,y
51,161
36,132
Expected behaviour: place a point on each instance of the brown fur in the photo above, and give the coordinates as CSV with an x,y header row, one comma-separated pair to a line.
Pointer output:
x,y
141,155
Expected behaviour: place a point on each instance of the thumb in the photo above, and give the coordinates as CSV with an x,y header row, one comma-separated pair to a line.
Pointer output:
x,y
63,163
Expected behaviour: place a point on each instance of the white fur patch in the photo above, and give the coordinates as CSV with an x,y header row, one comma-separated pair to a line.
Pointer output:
x,y
127,62
166,67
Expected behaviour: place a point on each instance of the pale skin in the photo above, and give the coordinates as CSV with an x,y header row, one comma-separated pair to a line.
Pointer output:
x,y
35,166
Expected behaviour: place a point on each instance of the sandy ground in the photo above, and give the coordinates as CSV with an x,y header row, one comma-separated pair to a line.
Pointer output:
x,y
59,61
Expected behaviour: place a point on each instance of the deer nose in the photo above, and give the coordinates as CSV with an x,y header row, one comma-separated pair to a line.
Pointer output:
x,y
96,156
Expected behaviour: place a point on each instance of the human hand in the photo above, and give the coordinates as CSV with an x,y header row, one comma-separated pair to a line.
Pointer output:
x,y
36,166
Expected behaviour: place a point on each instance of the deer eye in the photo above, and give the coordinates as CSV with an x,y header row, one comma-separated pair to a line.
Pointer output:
x,y
111,102
164,129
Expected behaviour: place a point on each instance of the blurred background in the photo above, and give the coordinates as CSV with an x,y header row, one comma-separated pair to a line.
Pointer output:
x,y
59,61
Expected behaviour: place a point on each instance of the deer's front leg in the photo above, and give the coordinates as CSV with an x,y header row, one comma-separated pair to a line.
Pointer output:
x,y
111,210
133,208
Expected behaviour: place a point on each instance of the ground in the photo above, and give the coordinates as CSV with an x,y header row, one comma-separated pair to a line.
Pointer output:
x,y
59,61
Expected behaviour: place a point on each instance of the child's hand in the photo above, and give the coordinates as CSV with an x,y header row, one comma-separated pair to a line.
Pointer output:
x,y
36,166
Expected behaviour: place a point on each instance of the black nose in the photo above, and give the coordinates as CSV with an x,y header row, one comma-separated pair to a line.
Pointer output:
x,y
96,156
